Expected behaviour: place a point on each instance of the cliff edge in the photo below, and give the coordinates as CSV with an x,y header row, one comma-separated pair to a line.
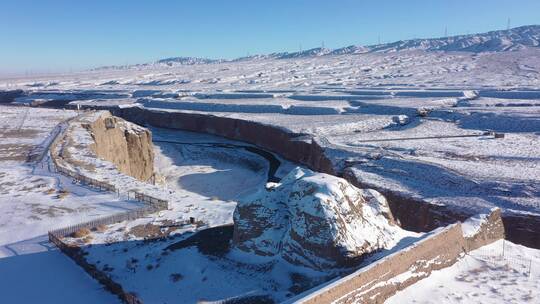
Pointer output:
x,y
126,145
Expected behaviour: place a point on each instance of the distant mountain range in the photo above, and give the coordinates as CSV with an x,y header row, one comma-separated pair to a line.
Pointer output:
x,y
188,60
495,41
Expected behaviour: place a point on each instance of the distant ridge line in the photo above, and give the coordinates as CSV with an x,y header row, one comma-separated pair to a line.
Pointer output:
x,y
513,39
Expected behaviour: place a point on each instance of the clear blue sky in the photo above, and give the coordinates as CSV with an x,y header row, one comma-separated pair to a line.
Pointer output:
x,y
58,35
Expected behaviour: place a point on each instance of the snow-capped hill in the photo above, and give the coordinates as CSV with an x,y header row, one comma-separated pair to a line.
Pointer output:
x,y
315,52
351,49
187,61
172,61
255,57
495,41
315,220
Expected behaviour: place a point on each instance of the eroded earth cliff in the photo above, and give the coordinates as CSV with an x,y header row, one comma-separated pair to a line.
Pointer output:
x,y
125,144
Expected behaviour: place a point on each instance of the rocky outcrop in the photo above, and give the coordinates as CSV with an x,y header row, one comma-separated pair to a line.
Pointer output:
x,y
125,144
314,220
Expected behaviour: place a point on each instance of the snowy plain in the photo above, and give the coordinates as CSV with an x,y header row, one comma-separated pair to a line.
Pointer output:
x,y
389,113
361,107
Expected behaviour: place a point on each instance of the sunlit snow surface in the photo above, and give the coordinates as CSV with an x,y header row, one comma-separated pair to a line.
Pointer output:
x,y
31,269
490,274
359,107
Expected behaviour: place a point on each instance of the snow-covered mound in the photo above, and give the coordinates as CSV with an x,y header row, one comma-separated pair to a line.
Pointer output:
x,y
314,220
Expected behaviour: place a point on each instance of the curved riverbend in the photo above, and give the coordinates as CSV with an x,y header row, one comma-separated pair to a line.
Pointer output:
x,y
273,162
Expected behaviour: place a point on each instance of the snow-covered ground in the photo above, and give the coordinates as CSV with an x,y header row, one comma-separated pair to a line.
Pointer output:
x,y
200,176
198,163
501,272
203,180
34,200
190,274
361,106
162,260
386,113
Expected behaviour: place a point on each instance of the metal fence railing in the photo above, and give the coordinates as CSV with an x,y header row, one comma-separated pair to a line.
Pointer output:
x,y
107,220
502,257
101,185
56,236
153,204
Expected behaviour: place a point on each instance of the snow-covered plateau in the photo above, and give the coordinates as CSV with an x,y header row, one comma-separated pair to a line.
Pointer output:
x,y
448,128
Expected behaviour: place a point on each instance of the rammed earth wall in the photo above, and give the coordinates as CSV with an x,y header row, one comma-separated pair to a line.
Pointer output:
x,y
78,256
127,146
378,281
